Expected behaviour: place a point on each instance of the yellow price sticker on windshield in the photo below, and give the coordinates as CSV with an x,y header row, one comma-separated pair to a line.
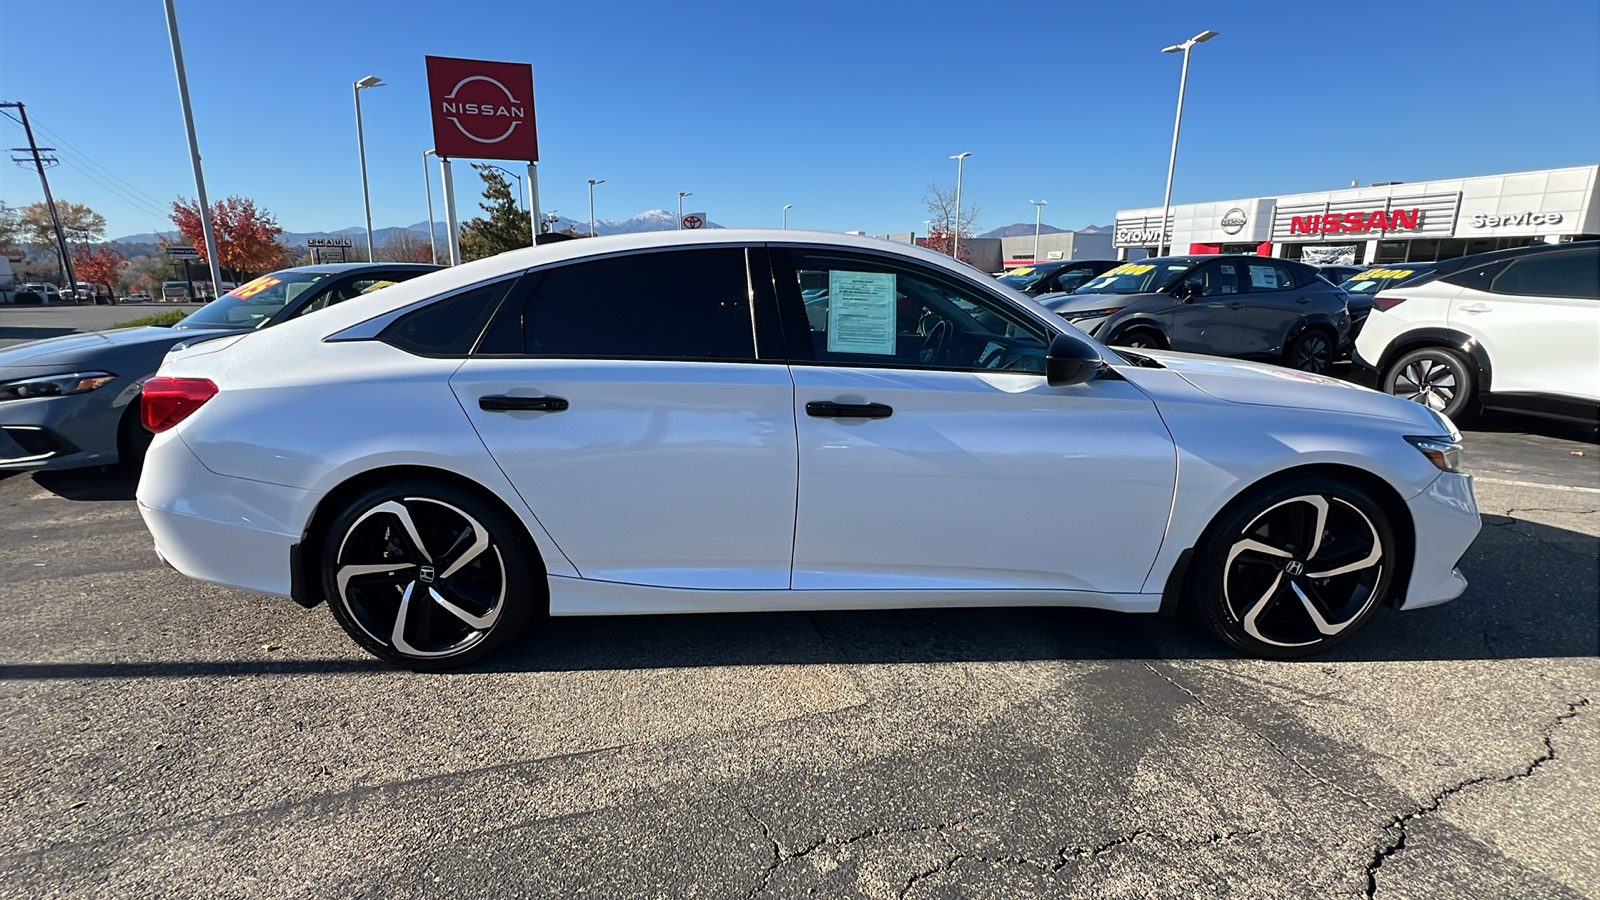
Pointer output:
x,y
253,288
1131,269
1022,271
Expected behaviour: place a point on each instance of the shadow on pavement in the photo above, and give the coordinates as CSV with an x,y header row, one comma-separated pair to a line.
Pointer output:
x,y
98,483
1496,422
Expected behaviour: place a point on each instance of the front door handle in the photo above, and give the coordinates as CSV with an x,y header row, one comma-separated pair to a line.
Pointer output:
x,y
503,403
1476,308
1304,301
827,409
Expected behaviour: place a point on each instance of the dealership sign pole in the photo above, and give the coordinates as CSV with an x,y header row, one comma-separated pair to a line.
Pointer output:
x,y
482,110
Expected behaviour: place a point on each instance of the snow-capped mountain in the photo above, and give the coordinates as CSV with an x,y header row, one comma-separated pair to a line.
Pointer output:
x,y
649,220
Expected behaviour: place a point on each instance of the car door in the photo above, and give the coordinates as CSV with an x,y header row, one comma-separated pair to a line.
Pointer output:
x,y
625,399
1539,323
1213,318
932,453
1274,302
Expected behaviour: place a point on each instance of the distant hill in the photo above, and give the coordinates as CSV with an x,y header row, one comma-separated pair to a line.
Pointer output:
x,y
649,220
1019,229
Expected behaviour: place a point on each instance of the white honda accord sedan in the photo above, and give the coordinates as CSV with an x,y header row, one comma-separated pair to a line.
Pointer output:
x,y
776,420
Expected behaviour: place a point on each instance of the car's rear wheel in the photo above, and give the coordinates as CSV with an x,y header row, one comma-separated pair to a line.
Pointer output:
x,y
1139,339
427,575
1294,569
1436,377
1312,350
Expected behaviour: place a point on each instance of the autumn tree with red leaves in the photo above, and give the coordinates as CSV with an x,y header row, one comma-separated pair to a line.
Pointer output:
x,y
247,238
99,267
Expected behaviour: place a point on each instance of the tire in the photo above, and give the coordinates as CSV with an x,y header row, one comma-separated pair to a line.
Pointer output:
x,y
1139,339
1256,584
1312,350
1436,377
476,577
133,439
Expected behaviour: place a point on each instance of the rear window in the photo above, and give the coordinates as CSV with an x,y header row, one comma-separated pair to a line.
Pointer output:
x,y
450,326
1565,273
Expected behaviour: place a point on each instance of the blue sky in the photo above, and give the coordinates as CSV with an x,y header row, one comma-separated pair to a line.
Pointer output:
x,y
845,109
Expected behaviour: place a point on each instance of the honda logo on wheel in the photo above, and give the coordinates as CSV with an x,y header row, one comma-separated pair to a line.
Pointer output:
x,y
482,109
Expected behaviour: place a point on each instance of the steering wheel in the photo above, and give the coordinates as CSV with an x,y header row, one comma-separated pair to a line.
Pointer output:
x,y
933,344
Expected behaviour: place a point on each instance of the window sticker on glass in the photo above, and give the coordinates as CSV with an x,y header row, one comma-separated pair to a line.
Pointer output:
x,y
1263,277
1227,270
861,312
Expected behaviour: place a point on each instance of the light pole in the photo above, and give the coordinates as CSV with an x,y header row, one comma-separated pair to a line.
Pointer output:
x,y
786,208
513,175
961,159
681,195
592,183
194,154
1165,245
1038,216
371,81
427,185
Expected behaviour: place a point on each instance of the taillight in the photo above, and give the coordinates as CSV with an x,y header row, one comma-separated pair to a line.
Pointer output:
x,y
1384,304
168,401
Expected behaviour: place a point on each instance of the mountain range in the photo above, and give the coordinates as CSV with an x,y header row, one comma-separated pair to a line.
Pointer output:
x,y
1026,228
649,220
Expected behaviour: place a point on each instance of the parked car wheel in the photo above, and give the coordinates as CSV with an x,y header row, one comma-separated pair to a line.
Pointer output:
x,y
133,439
427,575
1294,569
1435,377
1140,339
1311,351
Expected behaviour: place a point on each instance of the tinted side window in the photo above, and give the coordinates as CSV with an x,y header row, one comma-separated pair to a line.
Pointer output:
x,y
1215,279
447,327
677,304
1570,273
1070,279
1266,276
865,310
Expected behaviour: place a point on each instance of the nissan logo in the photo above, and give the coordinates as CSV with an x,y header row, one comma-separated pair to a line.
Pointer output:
x,y
490,111
1233,221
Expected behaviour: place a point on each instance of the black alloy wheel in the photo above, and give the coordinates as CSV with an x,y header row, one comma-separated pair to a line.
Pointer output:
x,y
1294,570
427,575
1435,377
1311,351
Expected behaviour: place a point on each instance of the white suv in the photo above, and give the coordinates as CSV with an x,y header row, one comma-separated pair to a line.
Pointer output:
x,y
1514,329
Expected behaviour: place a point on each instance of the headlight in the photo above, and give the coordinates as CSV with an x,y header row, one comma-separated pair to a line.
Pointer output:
x,y
54,385
1442,452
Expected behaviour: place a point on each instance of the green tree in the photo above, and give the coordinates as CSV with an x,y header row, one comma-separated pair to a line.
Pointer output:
x,y
506,227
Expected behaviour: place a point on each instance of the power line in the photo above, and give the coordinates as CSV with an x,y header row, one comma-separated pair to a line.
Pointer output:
x,y
77,158
86,158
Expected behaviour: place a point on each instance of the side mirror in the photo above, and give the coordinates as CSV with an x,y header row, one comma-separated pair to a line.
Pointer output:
x,y
1071,361
1185,291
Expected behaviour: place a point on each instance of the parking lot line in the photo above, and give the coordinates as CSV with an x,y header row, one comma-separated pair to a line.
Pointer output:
x,y
1535,484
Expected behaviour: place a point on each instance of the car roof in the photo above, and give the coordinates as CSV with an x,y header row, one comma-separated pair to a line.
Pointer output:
x,y
1448,266
335,268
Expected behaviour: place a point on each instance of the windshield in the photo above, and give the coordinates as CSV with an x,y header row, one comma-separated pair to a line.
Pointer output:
x,y
1137,278
252,303
1025,277
1373,280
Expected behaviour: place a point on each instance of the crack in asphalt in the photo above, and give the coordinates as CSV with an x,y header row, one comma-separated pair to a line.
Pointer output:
x,y
1269,741
1399,823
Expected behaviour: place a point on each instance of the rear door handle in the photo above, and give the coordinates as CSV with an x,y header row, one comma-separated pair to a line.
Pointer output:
x,y
827,409
503,403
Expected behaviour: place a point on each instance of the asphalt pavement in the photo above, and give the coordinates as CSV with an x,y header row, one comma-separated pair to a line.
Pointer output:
x,y
22,323
167,738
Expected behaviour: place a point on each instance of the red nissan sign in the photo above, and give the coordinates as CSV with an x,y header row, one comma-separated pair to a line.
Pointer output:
x,y
482,109
1357,222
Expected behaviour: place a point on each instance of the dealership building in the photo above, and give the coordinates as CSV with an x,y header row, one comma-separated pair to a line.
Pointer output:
x,y
1383,223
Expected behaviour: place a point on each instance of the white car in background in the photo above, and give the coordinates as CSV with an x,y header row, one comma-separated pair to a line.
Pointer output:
x,y
661,423
1514,329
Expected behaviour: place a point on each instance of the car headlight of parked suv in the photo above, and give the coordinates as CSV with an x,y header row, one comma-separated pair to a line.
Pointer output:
x,y
54,385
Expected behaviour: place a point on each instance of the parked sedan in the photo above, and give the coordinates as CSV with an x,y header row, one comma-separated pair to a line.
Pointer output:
x,y
653,423
1251,307
73,401
1055,277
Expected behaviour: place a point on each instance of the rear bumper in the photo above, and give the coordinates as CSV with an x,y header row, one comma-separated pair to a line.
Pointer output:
x,y
1445,518
1363,372
228,531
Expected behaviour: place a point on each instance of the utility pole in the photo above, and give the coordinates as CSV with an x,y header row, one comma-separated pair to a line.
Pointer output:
x,y
33,150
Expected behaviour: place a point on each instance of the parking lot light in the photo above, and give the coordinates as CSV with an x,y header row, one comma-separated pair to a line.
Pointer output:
x,y
371,81
786,208
1038,217
960,159
1164,246
592,183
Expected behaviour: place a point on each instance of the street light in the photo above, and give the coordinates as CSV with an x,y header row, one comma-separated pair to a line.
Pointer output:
x,y
1038,216
427,185
786,208
1164,246
681,195
961,159
592,183
513,175
371,81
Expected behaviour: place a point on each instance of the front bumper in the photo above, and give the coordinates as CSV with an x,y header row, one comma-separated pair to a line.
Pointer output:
x,y
229,531
1445,519
64,432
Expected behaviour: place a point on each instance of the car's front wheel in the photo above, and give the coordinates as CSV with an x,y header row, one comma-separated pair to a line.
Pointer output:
x,y
427,575
1294,569
1435,377
1139,339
